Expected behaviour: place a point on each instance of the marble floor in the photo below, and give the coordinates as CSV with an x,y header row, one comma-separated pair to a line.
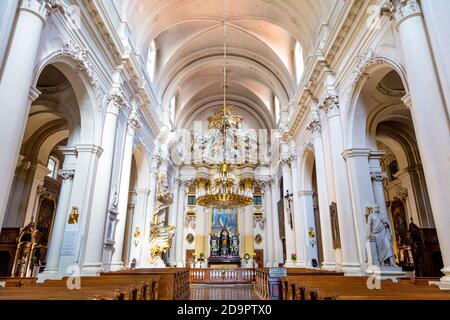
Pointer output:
x,y
222,292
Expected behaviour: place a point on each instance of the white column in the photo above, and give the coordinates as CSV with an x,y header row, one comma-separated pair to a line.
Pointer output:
x,y
430,118
119,235
138,214
74,240
329,262
268,230
15,82
378,176
18,194
62,211
180,252
362,198
306,200
288,219
438,26
299,216
277,244
350,260
97,221
40,173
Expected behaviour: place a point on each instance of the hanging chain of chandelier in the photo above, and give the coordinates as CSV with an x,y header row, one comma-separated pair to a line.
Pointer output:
x,y
224,191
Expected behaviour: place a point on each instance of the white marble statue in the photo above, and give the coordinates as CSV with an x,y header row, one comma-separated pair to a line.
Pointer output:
x,y
379,231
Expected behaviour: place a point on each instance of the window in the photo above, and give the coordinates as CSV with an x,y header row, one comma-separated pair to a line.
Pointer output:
x,y
191,200
151,60
299,62
393,169
52,165
277,109
257,200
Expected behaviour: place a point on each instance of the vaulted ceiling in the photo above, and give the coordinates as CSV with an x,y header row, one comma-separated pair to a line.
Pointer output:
x,y
189,38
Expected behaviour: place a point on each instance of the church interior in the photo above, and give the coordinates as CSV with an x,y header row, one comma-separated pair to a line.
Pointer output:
x,y
225,149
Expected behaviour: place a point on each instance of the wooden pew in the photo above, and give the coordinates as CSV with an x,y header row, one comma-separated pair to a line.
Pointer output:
x,y
16,282
173,283
325,287
131,287
267,288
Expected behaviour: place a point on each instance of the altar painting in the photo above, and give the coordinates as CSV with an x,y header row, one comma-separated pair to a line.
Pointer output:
x,y
224,218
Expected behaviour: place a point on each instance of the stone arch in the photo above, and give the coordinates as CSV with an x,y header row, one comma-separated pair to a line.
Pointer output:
x,y
369,69
73,62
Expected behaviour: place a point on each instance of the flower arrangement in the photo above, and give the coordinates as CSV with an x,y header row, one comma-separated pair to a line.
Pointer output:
x,y
201,257
293,257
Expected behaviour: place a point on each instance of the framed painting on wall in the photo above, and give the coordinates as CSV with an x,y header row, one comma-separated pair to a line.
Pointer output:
x,y
224,218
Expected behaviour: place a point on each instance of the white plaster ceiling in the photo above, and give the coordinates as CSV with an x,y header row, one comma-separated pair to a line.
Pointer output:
x,y
189,37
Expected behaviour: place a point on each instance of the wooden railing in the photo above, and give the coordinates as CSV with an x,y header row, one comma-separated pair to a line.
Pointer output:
x,y
222,276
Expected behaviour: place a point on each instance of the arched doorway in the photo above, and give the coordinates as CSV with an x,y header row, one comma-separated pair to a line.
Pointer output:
x,y
392,178
310,210
47,158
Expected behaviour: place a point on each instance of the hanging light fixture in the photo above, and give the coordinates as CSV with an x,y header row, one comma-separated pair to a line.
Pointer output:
x,y
223,191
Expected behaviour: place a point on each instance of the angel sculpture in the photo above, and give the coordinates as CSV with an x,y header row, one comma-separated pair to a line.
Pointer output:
x,y
160,243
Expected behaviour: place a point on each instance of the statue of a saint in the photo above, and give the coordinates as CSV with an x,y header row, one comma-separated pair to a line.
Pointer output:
x,y
379,231
214,244
224,242
235,245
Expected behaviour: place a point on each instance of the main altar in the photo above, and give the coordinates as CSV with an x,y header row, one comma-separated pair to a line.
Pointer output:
x,y
224,250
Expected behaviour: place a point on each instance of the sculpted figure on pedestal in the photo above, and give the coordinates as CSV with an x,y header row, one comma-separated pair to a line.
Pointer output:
x,y
379,231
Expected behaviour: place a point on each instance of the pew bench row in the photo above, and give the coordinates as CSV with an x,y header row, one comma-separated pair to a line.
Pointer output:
x,y
324,287
143,284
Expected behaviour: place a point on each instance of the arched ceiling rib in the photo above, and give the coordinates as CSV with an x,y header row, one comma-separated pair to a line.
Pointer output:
x,y
189,36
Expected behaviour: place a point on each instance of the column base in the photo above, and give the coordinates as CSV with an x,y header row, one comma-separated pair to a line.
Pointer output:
x,y
92,269
351,269
301,264
444,283
328,266
52,274
386,272
117,266
289,264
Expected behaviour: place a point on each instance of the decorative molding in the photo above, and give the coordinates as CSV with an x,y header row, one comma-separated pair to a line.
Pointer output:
x,y
390,92
43,8
115,102
400,10
34,94
115,197
314,126
66,174
190,220
134,120
378,176
355,153
407,100
81,55
330,103
259,221
402,194
90,148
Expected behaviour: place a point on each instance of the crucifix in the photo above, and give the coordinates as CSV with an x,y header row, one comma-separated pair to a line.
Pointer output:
x,y
288,198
